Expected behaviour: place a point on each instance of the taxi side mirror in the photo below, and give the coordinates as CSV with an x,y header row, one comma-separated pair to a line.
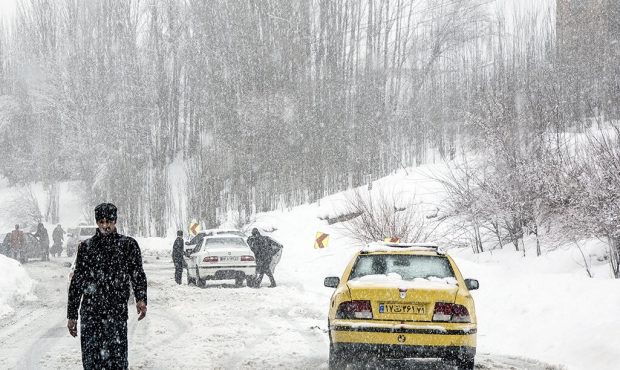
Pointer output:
x,y
331,282
472,284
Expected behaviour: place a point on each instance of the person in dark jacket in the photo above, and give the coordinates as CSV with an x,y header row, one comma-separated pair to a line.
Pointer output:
x,y
18,243
105,266
44,241
177,257
58,235
261,248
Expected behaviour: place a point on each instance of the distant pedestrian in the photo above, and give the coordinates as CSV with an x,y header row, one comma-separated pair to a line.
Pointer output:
x,y
106,265
58,235
177,257
17,244
44,242
260,246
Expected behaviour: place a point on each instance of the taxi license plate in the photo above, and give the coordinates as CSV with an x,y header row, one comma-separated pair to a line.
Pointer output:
x,y
402,309
229,258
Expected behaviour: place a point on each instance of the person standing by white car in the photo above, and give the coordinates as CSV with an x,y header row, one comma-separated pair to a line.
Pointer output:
x,y
177,257
261,247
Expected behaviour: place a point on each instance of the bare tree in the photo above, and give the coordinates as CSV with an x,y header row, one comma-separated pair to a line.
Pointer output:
x,y
382,215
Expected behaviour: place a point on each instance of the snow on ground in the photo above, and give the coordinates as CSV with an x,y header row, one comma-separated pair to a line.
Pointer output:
x,y
528,310
15,285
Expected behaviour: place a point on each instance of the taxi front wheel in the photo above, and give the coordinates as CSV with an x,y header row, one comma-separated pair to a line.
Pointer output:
x,y
465,364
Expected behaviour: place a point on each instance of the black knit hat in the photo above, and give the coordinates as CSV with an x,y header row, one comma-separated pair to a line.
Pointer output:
x,y
105,210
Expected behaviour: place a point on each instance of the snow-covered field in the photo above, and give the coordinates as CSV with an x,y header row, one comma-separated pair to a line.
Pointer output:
x,y
534,312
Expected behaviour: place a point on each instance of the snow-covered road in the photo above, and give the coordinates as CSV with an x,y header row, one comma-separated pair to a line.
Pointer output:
x,y
217,327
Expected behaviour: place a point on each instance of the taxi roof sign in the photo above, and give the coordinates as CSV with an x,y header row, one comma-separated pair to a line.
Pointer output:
x,y
387,246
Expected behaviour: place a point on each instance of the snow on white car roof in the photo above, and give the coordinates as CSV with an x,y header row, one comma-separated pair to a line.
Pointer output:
x,y
224,236
392,247
221,232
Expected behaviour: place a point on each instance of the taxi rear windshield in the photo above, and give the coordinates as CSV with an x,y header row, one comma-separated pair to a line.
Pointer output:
x,y
409,267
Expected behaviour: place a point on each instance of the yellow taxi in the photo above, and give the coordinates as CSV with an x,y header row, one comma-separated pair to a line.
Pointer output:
x,y
399,300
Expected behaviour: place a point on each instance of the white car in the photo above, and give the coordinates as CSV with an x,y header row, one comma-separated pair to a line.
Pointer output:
x,y
78,235
220,257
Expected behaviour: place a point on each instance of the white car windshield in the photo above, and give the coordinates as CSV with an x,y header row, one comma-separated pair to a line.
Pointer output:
x,y
88,231
231,232
224,243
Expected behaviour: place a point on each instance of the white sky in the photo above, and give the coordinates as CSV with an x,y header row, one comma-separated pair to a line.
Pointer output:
x,y
7,8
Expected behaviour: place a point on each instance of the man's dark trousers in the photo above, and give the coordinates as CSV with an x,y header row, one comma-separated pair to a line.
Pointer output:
x,y
178,271
104,344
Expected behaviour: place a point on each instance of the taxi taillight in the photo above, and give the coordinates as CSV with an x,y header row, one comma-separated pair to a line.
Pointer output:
x,y
210,259
354,310
247,258
450,312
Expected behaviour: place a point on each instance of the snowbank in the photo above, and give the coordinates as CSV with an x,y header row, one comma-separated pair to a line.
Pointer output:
x,y
15,285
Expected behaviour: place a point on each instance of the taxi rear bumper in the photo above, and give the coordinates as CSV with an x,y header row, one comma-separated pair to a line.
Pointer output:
x,y
398,351
401,341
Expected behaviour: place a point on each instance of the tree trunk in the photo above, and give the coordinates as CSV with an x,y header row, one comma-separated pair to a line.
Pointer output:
x,y
614,255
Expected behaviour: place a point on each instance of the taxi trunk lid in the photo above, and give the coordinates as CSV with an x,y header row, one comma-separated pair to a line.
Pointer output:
x,y
406,302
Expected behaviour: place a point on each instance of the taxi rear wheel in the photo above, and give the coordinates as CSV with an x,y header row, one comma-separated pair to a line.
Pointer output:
x,y
337,359
465,364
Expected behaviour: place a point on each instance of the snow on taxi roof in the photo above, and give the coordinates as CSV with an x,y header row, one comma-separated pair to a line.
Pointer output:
x,y
391,247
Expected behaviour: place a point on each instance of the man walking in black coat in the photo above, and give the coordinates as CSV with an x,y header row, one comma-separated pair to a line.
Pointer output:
x,y
261,248
105,266
177,257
